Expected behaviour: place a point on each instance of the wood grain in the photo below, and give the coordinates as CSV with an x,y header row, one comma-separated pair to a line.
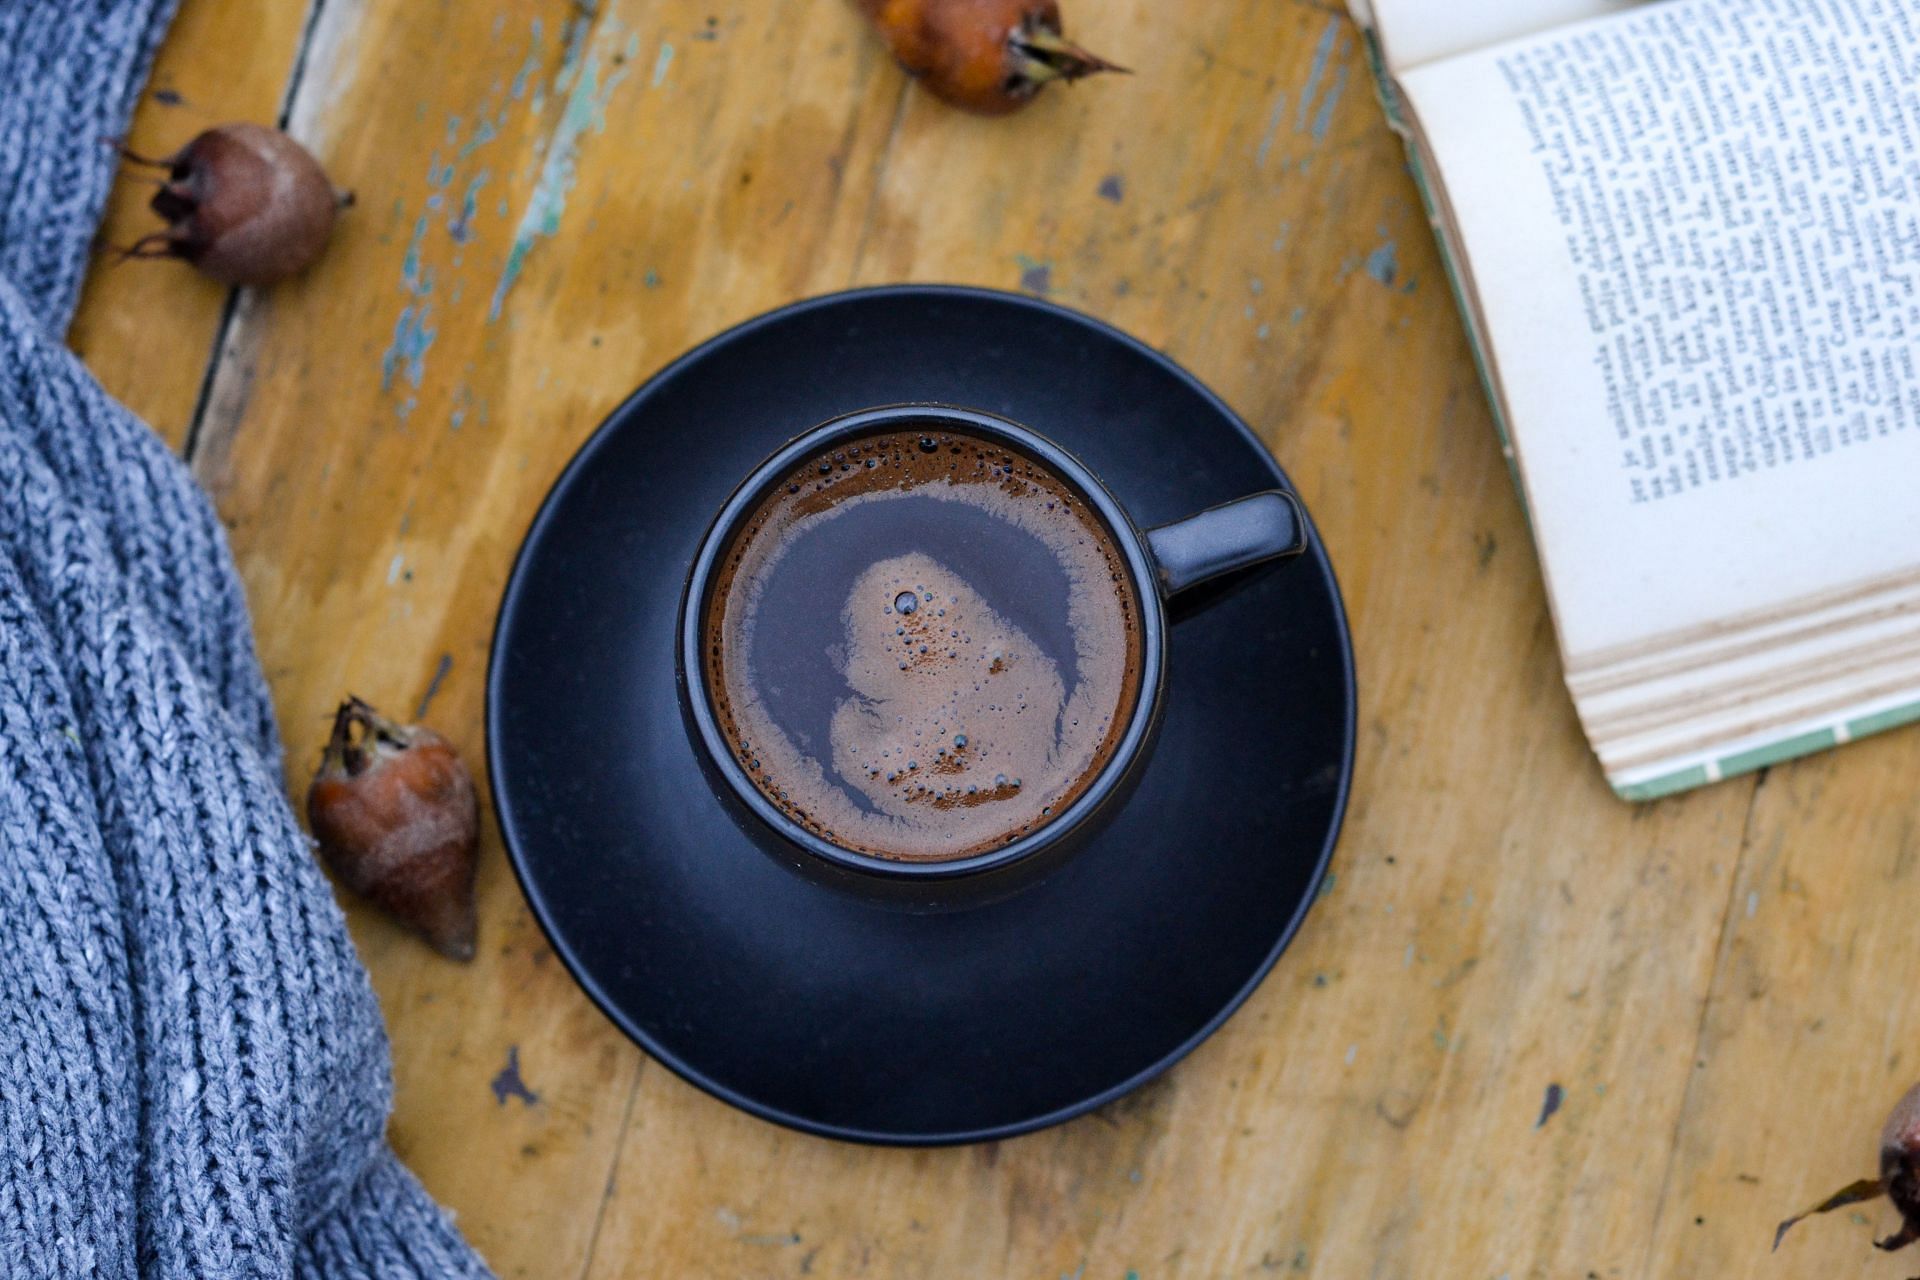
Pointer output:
x,y
557,199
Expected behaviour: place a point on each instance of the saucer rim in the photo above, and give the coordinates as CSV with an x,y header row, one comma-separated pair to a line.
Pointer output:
x,y
577,466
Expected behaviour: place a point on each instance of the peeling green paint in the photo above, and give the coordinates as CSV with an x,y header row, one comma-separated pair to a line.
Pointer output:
x,y
412,335
585,110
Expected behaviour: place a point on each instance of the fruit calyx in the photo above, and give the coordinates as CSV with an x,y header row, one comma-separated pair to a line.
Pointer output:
x,y
1038,53
361,738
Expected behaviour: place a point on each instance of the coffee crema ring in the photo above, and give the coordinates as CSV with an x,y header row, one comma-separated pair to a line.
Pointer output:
x,y
922,646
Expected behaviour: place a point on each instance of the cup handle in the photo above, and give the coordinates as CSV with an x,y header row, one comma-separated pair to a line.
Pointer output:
x,y
1247,531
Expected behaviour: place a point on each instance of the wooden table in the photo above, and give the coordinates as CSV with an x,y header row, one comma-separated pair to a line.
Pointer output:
x,y
555,199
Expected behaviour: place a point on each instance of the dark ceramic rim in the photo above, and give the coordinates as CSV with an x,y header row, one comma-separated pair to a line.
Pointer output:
x,y
923,417
542,908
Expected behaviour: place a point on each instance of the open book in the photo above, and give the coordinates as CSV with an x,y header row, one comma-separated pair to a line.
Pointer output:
x,y
1686,238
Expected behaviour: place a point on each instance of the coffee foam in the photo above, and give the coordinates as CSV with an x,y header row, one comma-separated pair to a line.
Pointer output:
x,y
956,731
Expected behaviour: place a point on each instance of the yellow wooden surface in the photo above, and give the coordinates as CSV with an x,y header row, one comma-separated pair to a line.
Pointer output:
x,y
556,198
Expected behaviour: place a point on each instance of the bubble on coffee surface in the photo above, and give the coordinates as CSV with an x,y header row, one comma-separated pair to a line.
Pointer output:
x,y
909,695
924,658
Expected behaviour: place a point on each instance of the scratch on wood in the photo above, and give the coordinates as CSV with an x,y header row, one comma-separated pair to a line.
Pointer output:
x,y
414,331
735,1224
1397,1108
1307,120
412,336
1457,973
1383,264
586,106
1273,128
507,1083
524,76
1035,276
433,686
1550,1104
460,224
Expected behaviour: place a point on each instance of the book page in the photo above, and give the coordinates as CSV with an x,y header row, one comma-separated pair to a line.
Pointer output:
x,y
1694,232
1415,31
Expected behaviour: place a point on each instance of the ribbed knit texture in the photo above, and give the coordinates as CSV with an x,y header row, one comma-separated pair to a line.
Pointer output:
x,y
193,1073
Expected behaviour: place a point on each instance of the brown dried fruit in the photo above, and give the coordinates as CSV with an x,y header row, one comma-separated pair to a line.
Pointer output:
x,y
244,203
988,56
394,810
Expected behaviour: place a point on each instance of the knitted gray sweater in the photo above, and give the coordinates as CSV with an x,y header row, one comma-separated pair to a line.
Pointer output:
x,y
193,1074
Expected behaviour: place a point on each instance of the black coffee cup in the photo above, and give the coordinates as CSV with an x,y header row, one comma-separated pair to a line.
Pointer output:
x,y
1162,562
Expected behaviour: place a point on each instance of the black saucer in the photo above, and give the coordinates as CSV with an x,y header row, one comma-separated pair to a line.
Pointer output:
x,y
853,1020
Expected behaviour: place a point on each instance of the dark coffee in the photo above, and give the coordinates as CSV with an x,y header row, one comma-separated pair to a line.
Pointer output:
x,y
922,646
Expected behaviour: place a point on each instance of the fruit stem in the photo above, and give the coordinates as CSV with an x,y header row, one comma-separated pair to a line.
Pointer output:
x,y
1853,1193
131,156
155,244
